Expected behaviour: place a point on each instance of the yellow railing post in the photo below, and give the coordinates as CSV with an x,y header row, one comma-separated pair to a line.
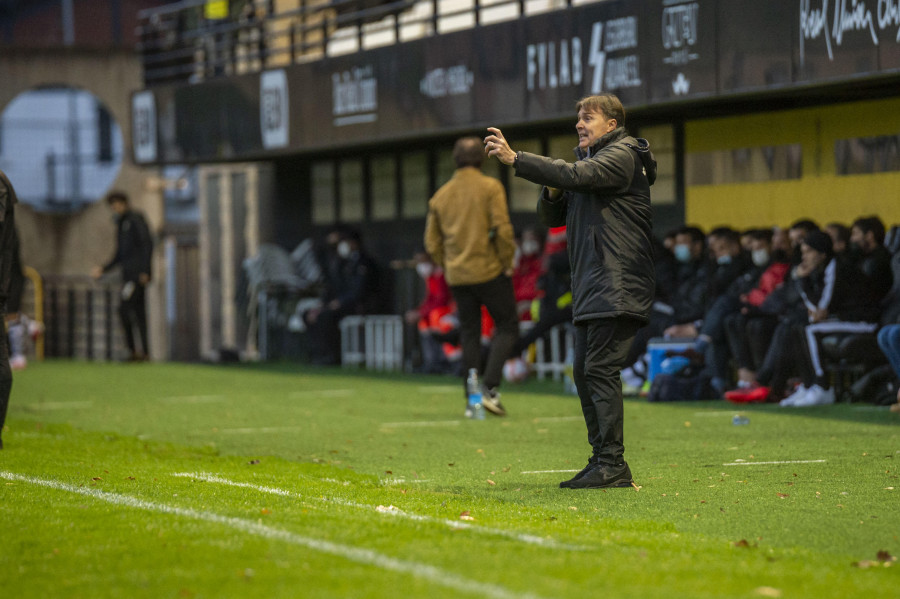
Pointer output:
x,y
38,282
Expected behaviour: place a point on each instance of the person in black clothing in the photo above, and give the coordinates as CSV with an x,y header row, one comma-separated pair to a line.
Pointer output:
x,y
871,257
685,301
8,247
604,201
352,286
134,255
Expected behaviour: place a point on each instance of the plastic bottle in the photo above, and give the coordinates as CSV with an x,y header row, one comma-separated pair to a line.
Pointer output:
x,y
474,408
740,420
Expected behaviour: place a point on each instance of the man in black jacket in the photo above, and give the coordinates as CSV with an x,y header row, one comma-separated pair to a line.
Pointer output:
x,y
8,249
604,201
134,252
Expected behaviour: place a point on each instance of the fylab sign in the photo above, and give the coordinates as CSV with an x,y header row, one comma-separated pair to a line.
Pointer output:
x,y
560,63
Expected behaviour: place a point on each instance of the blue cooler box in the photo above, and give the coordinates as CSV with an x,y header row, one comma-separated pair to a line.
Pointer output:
x,y
657,348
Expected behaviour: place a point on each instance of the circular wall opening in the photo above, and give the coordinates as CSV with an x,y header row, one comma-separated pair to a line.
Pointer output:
x,y
60,147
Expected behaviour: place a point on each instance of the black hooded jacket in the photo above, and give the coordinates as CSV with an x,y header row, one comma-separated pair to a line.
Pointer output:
x,y
605,206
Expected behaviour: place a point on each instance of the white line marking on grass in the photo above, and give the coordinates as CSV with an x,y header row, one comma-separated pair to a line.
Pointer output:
x,y
196,399
420,423
546,471
261,429
455,524
321,393
61,405
559,419
359,555
778,462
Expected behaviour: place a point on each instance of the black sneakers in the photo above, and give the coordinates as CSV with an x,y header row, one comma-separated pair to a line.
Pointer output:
x,y
490,399
567,484
602,476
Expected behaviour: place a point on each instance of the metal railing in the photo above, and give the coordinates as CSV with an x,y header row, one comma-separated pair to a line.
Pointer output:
x,y
80,318
180,43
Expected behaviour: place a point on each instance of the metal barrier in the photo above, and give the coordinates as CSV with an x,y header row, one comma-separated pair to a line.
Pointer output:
x,y
561,340
375,341
81,318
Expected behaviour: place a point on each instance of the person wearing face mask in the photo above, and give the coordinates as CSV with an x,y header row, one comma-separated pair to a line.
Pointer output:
x,y
726,313
685,304
352,286
435,304
529,266
604,200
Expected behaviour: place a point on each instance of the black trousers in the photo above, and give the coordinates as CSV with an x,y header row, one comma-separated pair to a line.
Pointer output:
x,y
601,351
498,297
133,313
5,373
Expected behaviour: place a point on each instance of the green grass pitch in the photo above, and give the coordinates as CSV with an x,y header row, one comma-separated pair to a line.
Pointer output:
x,y
173,480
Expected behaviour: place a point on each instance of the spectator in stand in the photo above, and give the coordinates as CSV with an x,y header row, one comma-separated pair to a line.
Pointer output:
x,y
889,342
434,305
797,233
871,257
840,238
730,263
685,304
555,303
825,288
748,330
750,288
529,266
352,287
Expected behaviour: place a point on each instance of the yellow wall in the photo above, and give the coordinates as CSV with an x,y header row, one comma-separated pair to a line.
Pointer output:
x,y
819,194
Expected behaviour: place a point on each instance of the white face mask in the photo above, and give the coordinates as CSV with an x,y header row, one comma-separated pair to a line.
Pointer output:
x,y
726,259
530,247
424,269
343,249
760,257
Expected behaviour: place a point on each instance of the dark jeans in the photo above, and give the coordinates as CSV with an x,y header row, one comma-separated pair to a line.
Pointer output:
x,y
601,350
497,296
133,313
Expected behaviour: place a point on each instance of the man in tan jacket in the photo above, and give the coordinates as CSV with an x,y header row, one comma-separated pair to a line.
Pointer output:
x,y
468,233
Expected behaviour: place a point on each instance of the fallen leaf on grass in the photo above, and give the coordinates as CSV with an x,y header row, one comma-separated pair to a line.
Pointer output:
x,y
782,495
742,543
490,482
465,516
882,558
636,486
265,511
252,462
96,478
767,592
573,508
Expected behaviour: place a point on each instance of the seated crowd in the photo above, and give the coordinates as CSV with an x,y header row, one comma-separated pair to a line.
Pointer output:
x,y
754,306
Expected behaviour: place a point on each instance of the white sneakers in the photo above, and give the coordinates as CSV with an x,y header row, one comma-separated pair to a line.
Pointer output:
x,y
808,396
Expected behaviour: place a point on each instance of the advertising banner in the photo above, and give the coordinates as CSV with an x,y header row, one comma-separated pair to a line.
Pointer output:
x,y
648,52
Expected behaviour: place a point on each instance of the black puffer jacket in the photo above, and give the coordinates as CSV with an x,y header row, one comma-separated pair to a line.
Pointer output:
x,y
606,209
